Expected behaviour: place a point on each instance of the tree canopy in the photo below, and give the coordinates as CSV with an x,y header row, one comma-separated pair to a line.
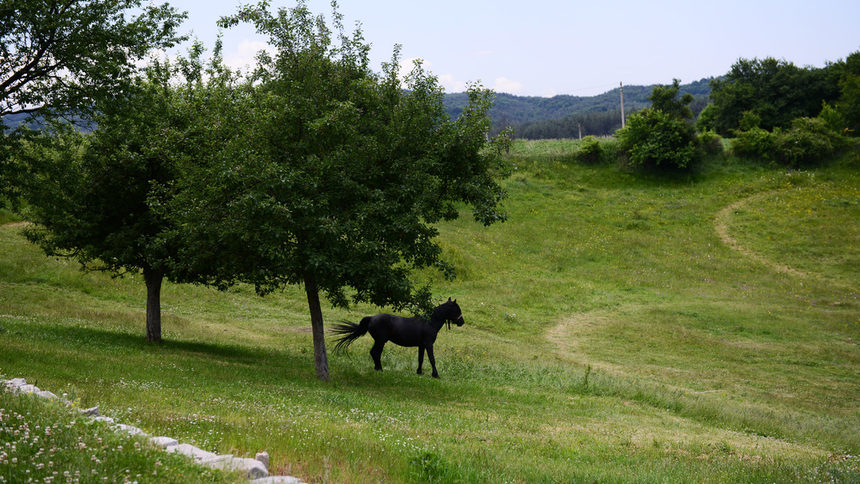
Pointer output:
x,y
662,136
95,197
776,91
336,180
60,53
666,99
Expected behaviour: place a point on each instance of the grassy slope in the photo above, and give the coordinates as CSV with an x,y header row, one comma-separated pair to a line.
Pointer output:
x,y
612,334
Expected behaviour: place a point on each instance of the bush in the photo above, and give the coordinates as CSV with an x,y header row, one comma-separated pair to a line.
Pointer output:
x,y
809,141
656,140
754,143
711,142
589,150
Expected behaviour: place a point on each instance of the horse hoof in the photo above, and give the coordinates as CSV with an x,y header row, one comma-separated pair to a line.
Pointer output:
x,y
435,375
420,372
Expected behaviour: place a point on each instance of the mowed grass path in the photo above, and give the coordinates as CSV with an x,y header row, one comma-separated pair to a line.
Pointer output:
x,y
612,334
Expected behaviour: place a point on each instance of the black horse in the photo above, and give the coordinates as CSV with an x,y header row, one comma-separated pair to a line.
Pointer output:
x,y
402,331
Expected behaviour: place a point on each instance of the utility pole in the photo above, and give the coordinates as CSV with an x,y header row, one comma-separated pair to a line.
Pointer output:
x,y
580,131
622,103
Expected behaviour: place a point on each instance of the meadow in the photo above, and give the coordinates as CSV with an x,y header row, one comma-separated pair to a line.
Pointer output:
x,y
620,327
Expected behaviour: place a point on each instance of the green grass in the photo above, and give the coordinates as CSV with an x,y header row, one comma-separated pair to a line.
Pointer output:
x,y
612,334
45,441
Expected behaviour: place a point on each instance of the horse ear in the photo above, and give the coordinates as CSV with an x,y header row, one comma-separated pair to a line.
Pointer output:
x,y
449,299
455,300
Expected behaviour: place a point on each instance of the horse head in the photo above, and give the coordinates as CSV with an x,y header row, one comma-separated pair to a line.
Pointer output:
x,y
453,313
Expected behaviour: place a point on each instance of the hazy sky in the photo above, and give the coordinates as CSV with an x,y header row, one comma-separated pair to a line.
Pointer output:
x,y
543,48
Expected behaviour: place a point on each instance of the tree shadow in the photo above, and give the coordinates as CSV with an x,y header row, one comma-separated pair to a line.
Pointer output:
x,y
233,365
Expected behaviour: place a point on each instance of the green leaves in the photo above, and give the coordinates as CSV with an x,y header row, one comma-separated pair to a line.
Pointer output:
x,y
654,139
338,171
63,54
774,90
660,136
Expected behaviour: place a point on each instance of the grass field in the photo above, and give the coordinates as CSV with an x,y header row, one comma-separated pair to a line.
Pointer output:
x,y
619,328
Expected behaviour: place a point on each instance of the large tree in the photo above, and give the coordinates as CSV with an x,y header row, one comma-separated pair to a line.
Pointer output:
x,y
338,178
97,197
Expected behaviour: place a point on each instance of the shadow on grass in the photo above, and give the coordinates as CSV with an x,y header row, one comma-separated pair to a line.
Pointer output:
x,y
112,355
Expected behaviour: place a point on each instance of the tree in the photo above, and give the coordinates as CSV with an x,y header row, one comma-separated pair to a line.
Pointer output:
x,y
337,179
656,140
848,104
665,98
775,90
61,54
661,136
96,197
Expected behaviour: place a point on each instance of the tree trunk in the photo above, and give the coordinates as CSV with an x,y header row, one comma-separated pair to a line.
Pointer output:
x,y
153,280
320,356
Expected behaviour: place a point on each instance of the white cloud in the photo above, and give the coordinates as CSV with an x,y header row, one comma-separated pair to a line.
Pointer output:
x,y
406,66
450,84
447,81
503,84
244,55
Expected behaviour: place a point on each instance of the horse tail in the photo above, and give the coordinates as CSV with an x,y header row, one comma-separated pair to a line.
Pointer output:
x,y
349,332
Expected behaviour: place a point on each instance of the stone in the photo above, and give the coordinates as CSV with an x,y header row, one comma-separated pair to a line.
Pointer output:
x,y
164,442
220,461
92,412
191,451
250,468
46,394
130,429
28,389
263,457
103,419
15,383
278,480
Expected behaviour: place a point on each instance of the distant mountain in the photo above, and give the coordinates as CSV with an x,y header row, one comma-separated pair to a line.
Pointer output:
x,y
12,121
524,111
36,122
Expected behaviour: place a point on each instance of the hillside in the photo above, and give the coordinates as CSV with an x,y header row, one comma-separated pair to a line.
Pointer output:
x,y
618,328
518,111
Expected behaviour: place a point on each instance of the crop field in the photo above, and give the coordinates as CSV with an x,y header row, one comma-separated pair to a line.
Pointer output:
x,y
620,327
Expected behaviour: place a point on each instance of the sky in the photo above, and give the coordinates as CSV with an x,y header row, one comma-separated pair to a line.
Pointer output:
x,y
545,48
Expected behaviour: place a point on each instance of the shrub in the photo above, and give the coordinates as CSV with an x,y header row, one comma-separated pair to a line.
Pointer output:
x,y
711,142
807,142
833,119
589,150
656,140
749,120
754,143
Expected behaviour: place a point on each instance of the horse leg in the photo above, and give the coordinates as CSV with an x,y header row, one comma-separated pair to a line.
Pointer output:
x,y
376,354
420,358
432,361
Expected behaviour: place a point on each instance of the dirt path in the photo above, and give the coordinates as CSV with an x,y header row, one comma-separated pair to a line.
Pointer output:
x,y
564,335
13,225
721,227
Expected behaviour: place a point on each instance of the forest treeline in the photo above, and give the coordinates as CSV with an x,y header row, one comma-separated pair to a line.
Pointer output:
x,y
562,116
